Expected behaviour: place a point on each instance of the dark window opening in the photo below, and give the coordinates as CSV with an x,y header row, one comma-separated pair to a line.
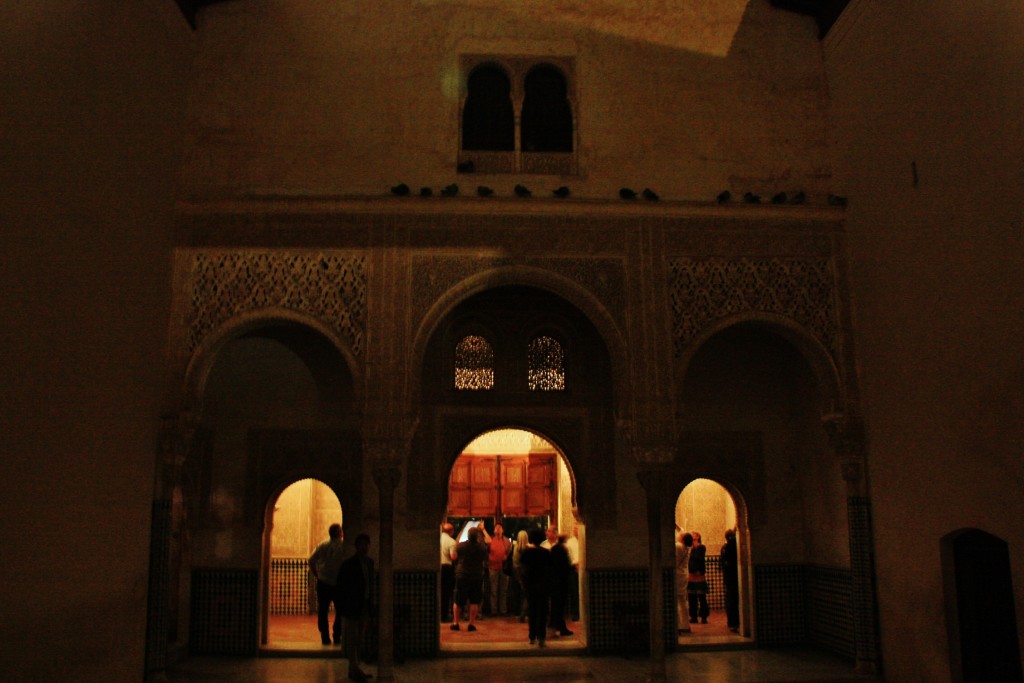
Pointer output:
x,y
488,120
547,115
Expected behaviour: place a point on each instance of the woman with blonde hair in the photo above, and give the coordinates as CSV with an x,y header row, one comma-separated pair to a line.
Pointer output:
x,y
522,543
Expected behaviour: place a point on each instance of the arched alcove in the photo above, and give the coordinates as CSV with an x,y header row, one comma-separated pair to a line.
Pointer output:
x,y
752,399
276,404
749,381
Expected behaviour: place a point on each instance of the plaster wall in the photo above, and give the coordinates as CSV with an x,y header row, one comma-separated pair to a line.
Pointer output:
x,y
300,97
926,114
91,135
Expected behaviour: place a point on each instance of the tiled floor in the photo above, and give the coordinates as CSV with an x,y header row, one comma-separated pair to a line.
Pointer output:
x,y
498,653
746,666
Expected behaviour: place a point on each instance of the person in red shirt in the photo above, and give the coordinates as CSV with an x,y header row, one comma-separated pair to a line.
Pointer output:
x,y
498,550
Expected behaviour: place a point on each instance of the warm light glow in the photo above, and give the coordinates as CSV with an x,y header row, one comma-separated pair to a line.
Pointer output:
x,y
706,506
704,28
302,514
507,442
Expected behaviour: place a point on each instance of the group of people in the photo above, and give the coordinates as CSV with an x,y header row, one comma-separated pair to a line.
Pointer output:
x,y
692,584
345,583
540,569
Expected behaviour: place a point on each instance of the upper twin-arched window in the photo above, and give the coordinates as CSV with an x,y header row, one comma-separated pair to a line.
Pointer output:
x,y
474,364
535,92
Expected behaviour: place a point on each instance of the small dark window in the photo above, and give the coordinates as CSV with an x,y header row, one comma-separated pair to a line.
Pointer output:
x,y
547,115
488,120
474,364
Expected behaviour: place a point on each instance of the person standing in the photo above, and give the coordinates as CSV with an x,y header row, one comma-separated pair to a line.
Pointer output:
x,y
535,563
355,578
324,564
572,545
470,558
683,544
498,549
730,576
697,582
522,543
560,569
447,570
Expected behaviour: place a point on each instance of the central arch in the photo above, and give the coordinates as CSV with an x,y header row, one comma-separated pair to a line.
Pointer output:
x,y
508,324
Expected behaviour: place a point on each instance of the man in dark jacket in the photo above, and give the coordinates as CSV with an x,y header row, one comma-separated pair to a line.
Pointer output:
x,y
354,585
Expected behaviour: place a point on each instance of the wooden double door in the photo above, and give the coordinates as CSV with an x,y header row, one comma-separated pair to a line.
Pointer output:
x,y
503,486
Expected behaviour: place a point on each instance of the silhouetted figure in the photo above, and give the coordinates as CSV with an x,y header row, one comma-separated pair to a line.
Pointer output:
x,y
324,564
697,583
730,574
561,567
535,563
354,581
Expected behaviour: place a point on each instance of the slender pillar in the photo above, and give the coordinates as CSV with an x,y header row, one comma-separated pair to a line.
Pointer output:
x,y
386,477
847,436
652,480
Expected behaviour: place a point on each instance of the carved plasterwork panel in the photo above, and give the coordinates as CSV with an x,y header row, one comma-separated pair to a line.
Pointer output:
x,y
602,277
329,287
706,290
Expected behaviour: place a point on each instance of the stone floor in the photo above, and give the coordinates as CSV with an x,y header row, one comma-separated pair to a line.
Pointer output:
x,y
737,666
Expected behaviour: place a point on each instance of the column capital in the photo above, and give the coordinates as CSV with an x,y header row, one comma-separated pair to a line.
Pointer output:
x,y
652,441
653,479
387,477
177,432
846,434
387,437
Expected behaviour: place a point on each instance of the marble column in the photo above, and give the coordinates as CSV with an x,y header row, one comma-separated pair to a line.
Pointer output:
x,y
847,436
386,477
176,436
652,479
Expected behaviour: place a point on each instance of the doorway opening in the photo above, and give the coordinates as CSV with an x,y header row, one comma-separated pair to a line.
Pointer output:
x,y
980,615
517,481
706,508
298,521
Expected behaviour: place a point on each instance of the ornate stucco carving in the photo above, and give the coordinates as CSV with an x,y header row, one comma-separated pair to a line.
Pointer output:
x,y
327,286
705,290
604,277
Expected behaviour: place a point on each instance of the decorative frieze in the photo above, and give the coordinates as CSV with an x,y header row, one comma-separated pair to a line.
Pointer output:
x,y
706,290
604,278
329,287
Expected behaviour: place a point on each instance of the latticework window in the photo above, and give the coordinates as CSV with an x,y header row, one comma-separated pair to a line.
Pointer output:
x,y
474,364
546,365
